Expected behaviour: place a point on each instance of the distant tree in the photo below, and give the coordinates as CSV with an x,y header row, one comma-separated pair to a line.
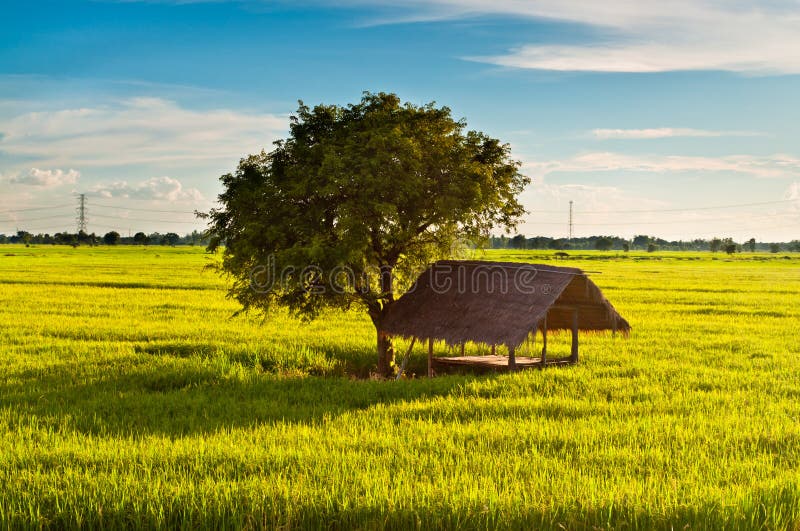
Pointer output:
x,y
751,245
171,239
556,244
603,243
774,247
714,245
539,242
87,239
111,238
626,247
140,238
518,242
378,187
793,246
641,240
194,237
24,237
730,248
651,247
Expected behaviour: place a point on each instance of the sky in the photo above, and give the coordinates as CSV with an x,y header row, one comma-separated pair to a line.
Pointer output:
x,y
676,119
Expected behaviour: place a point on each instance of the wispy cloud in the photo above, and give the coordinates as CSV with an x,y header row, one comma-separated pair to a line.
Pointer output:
x,y
137,131
614,210
636,35
45,178
643,35
775,166
664,132
155,188
793,192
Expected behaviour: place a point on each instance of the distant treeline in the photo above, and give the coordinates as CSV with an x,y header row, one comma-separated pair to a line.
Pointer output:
x,y
110,238
600,243
639,243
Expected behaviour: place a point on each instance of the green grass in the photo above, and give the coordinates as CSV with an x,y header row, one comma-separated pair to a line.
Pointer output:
x,y
129,397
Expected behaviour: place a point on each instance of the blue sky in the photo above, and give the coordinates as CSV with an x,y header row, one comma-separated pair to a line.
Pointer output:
x,y
647,115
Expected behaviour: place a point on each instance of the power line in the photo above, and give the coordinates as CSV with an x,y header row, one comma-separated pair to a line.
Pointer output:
x,y
105,205
653,211
33,208
35,219
147,220
705,220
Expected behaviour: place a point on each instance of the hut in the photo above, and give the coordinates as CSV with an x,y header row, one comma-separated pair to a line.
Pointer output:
x,y
499,303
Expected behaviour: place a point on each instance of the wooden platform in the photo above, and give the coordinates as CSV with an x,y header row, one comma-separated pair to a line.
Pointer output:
x,y
493,363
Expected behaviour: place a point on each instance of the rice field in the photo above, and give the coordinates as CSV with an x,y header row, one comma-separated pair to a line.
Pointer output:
x,y
130,397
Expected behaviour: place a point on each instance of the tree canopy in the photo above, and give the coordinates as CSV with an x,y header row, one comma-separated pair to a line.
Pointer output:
x,y
355,202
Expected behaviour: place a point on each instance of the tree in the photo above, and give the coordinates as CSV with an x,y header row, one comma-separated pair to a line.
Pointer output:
x,y
22,236
774,248
714,245
603,244
626,247
171,239
519,242
730,248
141,238
91,239
641,240
651,248
751,245
351,206
111,238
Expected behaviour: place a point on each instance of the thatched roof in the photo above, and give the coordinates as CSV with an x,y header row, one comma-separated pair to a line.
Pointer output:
x,y
498,303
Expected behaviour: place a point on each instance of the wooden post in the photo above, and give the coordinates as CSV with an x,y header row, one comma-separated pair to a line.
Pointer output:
x,y
574,356
493,350
405,359
430,358
544,341
512,360
462,350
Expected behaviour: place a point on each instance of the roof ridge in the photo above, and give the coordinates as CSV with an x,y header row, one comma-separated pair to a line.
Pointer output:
x,y
545,267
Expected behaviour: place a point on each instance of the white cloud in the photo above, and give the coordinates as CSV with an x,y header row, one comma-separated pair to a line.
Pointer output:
x,y
45,178
636,35
775,166
664,132
613,210
793,192
155,188
643,35
138,131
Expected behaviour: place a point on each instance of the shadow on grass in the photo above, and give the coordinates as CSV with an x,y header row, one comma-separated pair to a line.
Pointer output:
x,y
184,398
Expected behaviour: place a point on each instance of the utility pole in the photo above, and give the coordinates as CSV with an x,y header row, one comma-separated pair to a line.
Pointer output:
x,y
570,221
81,210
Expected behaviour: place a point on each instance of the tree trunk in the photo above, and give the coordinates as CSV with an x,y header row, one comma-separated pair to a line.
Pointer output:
x,y
385,355
385,347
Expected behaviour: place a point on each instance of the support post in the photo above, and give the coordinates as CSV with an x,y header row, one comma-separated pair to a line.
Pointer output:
x,y
544,341
574,356
494,349
512,360
405,359
462,350
430,358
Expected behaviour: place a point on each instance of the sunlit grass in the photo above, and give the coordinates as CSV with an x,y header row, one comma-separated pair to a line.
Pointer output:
x,y
129,397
